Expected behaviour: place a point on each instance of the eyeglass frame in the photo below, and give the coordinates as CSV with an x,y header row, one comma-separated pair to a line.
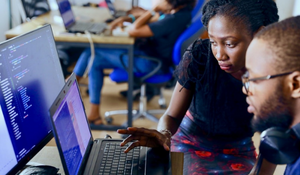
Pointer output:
x,y
246,80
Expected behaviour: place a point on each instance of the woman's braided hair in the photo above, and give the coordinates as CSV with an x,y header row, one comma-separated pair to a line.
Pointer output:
x,y
252,13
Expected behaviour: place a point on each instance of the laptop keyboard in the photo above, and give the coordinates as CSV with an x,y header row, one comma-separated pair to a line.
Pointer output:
x,y
91,27
115,161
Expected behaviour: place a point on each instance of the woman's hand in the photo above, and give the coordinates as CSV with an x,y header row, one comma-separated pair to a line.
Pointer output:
x,y
145,137
136,11
118,22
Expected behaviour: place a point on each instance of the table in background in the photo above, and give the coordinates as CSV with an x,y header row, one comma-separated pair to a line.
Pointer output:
x,y
103,40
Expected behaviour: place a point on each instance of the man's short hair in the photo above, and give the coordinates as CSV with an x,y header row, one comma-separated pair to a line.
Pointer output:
x,y
283,39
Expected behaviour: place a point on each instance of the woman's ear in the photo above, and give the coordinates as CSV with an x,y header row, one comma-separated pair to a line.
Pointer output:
x,y
259,29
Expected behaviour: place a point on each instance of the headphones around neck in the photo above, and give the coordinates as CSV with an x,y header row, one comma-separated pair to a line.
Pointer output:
x,y
280,146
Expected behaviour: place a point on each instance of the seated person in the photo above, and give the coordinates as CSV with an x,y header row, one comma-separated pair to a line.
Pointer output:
x,y
207,118
157,39
275,101
134,14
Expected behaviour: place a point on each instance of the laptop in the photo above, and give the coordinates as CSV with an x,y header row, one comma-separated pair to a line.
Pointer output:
x,y
81,154
115,13
74,26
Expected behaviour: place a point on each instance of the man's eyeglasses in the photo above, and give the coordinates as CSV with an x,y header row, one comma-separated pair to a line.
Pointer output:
x,y
246,80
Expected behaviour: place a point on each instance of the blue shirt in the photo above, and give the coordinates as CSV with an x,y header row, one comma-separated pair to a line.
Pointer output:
x,y
293,168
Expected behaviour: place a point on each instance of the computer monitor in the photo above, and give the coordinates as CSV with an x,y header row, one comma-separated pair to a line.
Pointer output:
x,y
30,79
34,8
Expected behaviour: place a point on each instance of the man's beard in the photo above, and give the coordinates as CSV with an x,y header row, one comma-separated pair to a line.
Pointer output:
x,y
275,112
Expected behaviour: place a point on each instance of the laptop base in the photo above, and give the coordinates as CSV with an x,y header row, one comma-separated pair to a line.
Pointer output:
x,y
80,27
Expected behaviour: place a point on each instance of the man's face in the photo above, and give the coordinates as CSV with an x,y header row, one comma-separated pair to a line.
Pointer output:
x,y
266,98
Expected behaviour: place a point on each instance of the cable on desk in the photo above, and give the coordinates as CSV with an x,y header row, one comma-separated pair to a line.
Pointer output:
x,y
108,136
88,68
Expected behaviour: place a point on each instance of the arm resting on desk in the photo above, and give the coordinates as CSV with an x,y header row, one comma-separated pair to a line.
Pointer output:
x,y
140,28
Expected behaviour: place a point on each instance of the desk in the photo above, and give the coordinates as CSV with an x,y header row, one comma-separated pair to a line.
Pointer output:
x,y
49,156
104,41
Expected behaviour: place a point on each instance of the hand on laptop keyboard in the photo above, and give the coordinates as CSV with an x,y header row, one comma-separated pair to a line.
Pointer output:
x,y
145,137
116,162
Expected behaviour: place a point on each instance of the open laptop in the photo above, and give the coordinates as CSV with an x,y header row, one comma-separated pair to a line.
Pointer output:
x,y
74,26
80,154
115,13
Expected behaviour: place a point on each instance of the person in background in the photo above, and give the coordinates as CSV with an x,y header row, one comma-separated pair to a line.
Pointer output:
x,y
154,38
134,14
207,117
272,80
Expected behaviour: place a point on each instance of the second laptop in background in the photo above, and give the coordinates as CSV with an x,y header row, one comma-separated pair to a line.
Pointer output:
x,y
74,26
115,13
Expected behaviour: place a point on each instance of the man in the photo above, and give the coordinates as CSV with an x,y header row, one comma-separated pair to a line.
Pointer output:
x,y
275,100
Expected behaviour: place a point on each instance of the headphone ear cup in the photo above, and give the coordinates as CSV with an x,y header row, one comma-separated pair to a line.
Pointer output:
x,y
279,147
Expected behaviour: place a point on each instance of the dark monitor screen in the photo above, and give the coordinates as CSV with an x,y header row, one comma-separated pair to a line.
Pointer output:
x,y
30,79
35,8
110,6
66,12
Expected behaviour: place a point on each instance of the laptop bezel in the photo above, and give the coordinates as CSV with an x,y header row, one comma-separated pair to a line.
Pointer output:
x,y
111,7
52,110
74,18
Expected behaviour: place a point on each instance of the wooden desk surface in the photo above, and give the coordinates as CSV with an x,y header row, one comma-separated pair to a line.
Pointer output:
x,y
60,35
49,156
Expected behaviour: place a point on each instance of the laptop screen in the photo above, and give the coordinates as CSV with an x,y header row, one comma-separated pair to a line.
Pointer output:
x,y
72,128
110,7
66,12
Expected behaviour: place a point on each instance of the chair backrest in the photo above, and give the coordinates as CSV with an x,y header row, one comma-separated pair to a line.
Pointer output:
x,y
35,8
197,9
193,32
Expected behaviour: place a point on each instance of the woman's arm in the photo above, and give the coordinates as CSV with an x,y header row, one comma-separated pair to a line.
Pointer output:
x,y
179,104
170,121
119,22
140,28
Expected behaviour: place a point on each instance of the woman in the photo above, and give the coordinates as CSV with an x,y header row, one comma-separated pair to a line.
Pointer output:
x,y
207,118
156,38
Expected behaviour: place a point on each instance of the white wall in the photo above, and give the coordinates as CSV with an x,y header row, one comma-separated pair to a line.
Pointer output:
x,y
4,19
4,13
296,8
285,8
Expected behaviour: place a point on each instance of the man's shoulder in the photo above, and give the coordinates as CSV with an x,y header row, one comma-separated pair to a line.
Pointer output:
x,y
293,168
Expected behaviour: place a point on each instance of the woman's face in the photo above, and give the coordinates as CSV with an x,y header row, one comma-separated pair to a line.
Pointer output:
x,y
229,43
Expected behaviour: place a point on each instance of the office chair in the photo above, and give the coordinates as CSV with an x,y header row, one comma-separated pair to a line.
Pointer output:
x,y
34,8
159,80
